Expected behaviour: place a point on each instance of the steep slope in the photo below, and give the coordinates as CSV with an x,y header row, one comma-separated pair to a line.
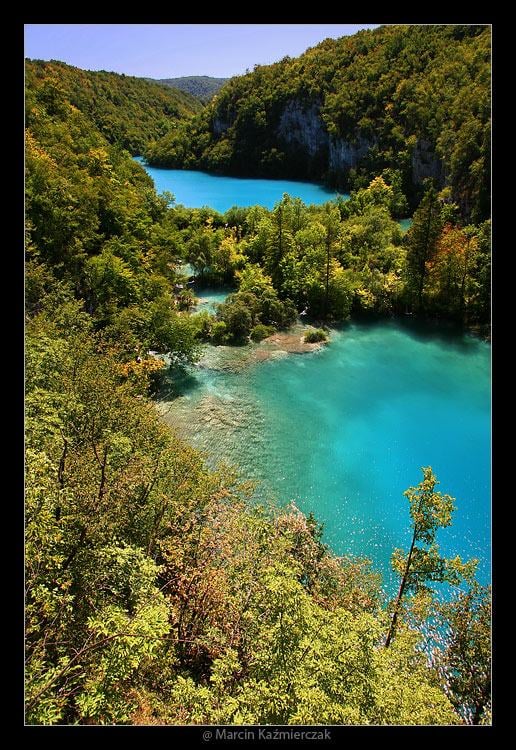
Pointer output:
x,y
409,99
202,87
128,111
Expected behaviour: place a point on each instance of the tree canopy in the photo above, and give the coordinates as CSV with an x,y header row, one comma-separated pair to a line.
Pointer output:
x,y
410,98
159,591
128,111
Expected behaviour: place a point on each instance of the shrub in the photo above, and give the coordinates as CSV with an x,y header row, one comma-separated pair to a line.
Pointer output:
x,y
219,332
237,317
204,323
261,331
315,335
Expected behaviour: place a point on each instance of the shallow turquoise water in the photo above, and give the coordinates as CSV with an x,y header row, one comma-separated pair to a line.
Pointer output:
x,y
196,189
209,299
344,431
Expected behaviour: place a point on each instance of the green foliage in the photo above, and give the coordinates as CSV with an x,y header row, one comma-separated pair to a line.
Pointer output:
x,y
312,666
99,465
129,618
380,193
219,332
226,260
95,223
429,511
204,323
155,591
261,331
237,315
410,102
128,111
421,242
458,274
202,87
157,594
171,331
312,337
464,658
256,303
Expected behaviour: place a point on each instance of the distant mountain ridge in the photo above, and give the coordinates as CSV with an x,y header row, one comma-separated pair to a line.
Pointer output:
x,y
202,87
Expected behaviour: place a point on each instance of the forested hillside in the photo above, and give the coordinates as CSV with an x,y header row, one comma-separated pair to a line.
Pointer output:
x,y
128,111
202,87
413,101
158,592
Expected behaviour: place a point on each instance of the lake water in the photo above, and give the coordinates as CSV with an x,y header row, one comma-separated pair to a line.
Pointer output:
x,y
196,189
343,432
209,299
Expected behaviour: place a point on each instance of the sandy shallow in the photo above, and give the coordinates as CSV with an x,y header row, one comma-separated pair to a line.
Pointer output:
x,y
277,346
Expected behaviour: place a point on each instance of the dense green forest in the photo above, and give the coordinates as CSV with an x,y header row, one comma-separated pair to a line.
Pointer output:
x,y
202,87
158,592
413,101
128,111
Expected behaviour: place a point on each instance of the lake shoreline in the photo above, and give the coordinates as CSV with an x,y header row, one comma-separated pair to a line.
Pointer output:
x,y
193,188
328,184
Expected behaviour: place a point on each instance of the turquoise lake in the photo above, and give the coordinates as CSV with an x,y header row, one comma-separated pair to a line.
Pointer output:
x,y
343,431
196,189
209,299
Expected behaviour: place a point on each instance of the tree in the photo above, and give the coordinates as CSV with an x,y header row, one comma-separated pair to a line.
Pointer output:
x,y
110,282
331,223
171,331
450,272
238,313
479,308
200,249
279,240
408,102
378,193
252,279
429,511
465,661
226,259
421,241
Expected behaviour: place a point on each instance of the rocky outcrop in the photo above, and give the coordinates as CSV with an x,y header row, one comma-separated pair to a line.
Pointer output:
x,y
301,126
301,132
425,163
344,155
219,126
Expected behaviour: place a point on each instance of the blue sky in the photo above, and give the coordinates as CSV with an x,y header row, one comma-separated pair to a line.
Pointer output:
x,y
171,50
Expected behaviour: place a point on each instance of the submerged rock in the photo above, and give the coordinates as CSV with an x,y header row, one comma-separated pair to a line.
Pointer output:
x,y
238,358
292,341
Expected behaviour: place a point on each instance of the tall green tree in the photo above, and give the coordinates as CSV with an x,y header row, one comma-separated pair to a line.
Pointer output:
x,y
421,241
280,240
429,511
331,223
451,284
